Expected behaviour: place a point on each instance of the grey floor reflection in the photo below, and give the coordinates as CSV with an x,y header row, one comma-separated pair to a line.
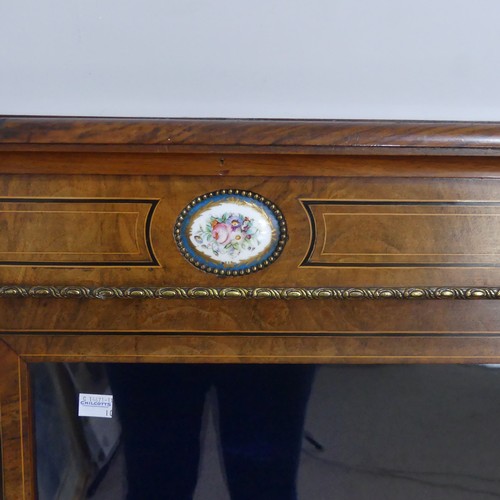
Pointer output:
x,y
375,432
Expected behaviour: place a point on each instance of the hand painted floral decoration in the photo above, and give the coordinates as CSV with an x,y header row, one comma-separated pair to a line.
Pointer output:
x,y
230,232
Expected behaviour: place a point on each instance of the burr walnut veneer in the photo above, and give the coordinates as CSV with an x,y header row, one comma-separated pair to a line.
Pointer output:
x,y
391,255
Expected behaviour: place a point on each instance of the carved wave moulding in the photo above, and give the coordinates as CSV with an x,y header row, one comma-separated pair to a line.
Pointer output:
x,y
109,292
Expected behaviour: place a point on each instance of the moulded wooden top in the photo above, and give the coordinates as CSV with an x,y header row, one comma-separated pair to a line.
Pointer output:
x,y
163,135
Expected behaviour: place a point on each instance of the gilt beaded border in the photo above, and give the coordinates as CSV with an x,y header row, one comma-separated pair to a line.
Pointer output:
x,y
282,238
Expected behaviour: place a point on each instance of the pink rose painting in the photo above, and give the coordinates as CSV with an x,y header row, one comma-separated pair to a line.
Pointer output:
x,y
228,234
221,232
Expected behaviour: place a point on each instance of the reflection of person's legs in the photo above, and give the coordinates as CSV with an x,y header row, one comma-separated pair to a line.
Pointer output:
x,y
262,410
160,407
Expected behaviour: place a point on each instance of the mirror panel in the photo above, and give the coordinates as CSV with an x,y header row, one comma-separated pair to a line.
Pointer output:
x,y
220,432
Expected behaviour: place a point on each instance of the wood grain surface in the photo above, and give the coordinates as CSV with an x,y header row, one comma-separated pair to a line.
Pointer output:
x,y
405,233
395,204
76,231
15,425
327,136
462,253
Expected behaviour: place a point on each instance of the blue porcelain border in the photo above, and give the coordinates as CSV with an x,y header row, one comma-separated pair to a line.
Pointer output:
x,y
202,263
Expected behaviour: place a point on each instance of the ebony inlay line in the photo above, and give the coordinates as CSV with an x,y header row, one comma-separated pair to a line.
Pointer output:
x,y
307,204
152,261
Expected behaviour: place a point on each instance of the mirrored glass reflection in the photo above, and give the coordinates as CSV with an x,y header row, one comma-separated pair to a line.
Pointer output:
x,y
267,432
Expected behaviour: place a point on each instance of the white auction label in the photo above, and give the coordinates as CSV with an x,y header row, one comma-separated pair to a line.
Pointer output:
x,y
95,405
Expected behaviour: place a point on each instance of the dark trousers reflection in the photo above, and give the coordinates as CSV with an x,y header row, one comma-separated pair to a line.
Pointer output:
x,y
261,418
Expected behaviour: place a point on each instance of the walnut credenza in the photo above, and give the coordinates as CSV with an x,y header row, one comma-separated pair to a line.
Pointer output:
x,y
388,248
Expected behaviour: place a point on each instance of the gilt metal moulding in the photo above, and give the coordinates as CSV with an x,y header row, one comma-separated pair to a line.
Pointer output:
x,y
310,293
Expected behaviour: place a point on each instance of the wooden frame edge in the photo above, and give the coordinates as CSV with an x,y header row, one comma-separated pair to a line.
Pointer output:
x,y
242,348
16,426
19,349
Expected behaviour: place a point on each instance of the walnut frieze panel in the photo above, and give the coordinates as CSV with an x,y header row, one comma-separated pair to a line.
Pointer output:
x,y
76,232
407,233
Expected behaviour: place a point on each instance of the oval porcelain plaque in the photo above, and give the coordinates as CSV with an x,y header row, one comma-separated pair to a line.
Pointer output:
x,y
230,232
